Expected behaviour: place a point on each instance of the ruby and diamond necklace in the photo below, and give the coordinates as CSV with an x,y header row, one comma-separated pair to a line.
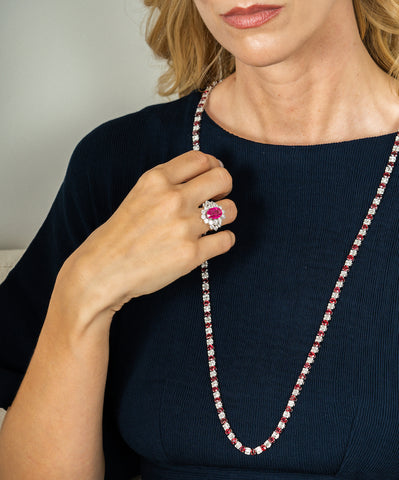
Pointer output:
x,y
321,333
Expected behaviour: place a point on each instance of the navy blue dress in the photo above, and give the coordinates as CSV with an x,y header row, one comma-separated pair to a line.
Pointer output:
x,y
300,208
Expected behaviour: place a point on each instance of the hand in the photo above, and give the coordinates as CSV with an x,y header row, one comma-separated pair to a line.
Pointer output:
x,y
152,239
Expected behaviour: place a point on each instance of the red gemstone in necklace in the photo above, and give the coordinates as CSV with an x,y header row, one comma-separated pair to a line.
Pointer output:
x,y
215,213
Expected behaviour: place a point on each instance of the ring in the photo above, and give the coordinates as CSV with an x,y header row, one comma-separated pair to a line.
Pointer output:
x,y
212,215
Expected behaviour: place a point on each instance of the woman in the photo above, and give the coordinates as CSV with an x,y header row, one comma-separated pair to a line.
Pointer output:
x,y
304,123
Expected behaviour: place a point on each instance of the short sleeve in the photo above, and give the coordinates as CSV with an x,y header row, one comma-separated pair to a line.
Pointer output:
x,y
25,293
84,201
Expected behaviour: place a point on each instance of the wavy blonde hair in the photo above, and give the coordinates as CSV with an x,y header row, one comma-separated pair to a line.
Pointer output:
x,y
176,33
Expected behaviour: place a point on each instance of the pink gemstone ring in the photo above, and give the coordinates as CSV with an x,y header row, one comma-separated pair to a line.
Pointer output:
x,y
212,214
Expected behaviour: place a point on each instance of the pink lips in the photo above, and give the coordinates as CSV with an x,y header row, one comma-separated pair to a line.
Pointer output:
x,y
251,17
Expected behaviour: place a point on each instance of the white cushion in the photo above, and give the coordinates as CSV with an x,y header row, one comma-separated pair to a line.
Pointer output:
x,y
2,415
8,258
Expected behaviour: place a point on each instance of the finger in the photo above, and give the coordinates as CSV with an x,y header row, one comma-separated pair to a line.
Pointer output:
x,y
215,183
187,166
211,246
199,227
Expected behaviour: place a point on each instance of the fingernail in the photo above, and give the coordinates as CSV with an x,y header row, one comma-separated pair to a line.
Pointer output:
x,y
221,163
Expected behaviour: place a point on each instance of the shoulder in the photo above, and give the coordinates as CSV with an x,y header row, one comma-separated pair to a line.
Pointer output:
x,y
139,133
161,116
108,161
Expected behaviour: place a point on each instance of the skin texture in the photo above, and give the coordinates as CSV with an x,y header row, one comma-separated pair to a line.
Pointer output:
x,y
56,418
131,246
302,78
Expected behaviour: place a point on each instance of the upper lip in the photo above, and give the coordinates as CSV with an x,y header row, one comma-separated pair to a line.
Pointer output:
x,y
251,9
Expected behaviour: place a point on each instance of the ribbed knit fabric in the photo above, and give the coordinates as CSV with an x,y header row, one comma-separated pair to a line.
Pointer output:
x,y
299,210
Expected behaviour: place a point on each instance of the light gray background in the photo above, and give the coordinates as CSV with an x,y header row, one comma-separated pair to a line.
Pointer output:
x,y
66,66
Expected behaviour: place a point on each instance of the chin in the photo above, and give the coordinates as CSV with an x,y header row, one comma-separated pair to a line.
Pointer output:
x,y
260,49
261,61
263,56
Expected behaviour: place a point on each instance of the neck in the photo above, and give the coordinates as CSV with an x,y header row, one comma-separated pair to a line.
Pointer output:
x,y
312,97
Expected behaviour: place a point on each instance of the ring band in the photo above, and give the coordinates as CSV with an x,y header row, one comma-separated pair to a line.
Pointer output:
x,y
212,214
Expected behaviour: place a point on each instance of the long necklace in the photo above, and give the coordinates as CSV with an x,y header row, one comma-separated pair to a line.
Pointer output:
x,y
321,333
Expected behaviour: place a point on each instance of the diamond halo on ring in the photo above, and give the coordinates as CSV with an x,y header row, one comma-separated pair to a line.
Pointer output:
x,y
212,214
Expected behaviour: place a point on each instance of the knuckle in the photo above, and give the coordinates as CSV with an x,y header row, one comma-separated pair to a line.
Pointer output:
x,y
205,160
231,209
188,254
196,155
173,200
155,176
224,178
181,229
225,241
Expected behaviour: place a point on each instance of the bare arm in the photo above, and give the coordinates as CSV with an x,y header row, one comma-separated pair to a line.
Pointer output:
x,y
54,427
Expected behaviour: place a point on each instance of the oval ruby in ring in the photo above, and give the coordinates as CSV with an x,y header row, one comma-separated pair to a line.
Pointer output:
x,y
214,213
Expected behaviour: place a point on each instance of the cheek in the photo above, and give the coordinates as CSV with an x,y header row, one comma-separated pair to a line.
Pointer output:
x,y
208,11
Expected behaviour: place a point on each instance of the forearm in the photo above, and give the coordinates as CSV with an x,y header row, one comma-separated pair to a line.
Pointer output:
x,y
54,427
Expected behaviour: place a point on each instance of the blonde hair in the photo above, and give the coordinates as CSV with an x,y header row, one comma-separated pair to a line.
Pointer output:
x,y
176,33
